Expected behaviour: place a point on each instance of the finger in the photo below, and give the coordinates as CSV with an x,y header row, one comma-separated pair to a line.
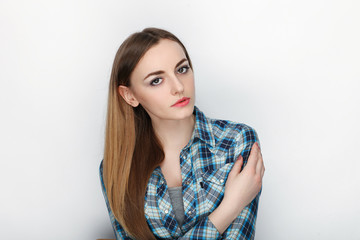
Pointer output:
x,y
259,164
252,160
236,167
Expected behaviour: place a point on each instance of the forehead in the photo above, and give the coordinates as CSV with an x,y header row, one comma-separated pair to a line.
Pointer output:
x,y
162,56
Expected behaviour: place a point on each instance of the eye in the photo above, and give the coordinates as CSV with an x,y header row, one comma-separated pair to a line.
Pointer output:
x,y
156,81
183,69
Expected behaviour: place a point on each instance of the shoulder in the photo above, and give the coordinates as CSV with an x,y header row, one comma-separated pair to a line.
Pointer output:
x,y
232,131
233,139
210,129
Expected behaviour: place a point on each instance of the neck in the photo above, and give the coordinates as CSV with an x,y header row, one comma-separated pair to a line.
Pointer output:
x,y
174,133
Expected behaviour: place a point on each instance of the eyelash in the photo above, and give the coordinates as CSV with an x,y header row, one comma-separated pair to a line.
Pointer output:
x,y
155,84
186,67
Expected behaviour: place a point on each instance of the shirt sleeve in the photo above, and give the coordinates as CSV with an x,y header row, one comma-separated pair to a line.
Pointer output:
x,y
242,228
118,229
244,142
204,229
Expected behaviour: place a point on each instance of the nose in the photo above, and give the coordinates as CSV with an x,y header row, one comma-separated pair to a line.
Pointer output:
x,y
177,86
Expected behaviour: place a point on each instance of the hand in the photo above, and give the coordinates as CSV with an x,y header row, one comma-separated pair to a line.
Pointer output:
x,y
242,187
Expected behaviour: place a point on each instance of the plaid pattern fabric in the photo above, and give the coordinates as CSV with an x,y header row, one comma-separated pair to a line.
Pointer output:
x,y
205,164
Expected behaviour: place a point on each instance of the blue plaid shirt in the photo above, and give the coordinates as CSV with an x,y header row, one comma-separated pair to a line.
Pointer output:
x,y
205,164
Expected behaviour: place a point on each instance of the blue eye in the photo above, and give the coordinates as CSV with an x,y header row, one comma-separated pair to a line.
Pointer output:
x,y
156,81
183,69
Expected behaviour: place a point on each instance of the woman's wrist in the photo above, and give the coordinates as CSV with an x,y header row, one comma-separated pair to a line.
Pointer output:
x,y
231,207
224,215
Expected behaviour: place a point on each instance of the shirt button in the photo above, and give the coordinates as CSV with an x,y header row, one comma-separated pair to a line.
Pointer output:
x,y
222,180
166,211
189,212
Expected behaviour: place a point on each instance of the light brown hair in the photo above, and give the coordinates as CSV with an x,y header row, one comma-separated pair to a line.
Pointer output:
x,y
132,149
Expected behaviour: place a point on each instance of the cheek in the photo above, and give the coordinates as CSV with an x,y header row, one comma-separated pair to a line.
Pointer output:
x,y
190,84
150,99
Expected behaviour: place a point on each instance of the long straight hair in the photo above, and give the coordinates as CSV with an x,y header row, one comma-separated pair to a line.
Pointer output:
x,y
132,149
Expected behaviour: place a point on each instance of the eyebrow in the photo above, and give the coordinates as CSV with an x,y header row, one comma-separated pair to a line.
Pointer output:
x,y
160,72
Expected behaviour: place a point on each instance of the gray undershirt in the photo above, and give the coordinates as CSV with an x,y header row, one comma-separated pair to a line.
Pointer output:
x,y
177,203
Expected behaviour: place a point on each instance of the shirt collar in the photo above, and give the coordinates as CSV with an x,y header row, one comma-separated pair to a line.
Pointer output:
x,y
202,129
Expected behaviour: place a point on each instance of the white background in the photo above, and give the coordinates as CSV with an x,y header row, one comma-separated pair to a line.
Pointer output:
x,y
290,69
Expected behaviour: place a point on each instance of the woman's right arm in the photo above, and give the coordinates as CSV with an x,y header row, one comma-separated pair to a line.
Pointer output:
x,y
240,189
235,217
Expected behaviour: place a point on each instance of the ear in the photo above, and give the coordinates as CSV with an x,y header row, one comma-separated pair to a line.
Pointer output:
x,y
128,95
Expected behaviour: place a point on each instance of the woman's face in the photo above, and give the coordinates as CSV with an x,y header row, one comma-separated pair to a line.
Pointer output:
x,y
160,80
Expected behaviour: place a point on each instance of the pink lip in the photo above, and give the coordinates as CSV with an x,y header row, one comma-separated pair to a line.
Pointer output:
x,y
182,102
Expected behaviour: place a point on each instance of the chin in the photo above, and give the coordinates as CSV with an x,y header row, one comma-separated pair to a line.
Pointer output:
x,y
185,112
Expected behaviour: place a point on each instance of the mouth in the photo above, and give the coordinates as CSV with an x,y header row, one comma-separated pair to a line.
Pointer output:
x,y
182,102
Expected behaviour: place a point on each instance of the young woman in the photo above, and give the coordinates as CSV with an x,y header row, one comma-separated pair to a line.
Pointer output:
x,y
169,172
